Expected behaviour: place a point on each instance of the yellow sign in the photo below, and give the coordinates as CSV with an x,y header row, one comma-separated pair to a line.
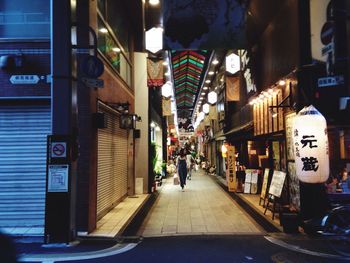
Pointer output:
x,y
231,169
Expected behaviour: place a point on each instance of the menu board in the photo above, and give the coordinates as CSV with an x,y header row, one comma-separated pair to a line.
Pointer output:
x,y
277,182
265,181
251,181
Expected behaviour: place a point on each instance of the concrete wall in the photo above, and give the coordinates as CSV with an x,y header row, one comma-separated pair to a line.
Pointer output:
x,y
141,109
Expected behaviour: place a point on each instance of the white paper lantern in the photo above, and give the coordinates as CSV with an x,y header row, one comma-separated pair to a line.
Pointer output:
x,y
206,108
311,146
212,97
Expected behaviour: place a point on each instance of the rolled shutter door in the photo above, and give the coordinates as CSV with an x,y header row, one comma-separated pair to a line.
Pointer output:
x,y
23,135
112,162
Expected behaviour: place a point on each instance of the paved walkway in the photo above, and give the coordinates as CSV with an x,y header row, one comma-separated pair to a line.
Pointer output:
x,y
203,208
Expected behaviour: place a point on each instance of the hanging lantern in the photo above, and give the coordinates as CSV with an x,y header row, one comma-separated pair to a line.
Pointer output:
x,y
212,97
167,90
206,108
311,146
224,150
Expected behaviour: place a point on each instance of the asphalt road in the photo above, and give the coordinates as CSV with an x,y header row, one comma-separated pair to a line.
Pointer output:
x,y
203,248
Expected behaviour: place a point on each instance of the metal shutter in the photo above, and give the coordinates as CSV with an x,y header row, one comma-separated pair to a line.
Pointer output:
x,y
23,133
112,162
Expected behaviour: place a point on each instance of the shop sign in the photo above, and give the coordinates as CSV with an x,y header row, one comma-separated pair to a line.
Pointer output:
x,y
311,146
327,32
330,81
231,171
327,49
24,79
233,63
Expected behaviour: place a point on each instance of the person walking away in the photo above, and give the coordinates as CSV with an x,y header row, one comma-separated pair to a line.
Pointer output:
x,y
182,168
190,162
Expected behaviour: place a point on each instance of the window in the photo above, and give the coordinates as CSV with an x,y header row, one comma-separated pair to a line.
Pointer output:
x,y
111,49
24,19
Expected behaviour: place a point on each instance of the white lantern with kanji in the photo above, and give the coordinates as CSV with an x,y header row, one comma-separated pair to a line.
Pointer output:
x,y
311,146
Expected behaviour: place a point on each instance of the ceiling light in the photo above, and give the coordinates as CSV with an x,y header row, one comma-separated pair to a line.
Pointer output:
x,y
154,2
215,62
211,72
203,93
205,88
207,81
282,82
116,49
103,30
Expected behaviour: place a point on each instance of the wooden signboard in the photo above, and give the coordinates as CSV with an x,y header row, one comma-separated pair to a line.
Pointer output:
x,y
264,185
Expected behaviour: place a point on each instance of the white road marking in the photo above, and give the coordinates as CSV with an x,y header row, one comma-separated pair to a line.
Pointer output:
x,y
50,258
302,250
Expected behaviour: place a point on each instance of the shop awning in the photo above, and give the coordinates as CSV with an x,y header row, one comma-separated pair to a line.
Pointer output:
x,y
247,126
220,136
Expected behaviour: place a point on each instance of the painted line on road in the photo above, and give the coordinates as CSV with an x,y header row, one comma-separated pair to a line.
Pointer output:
x,y
50,258
302,250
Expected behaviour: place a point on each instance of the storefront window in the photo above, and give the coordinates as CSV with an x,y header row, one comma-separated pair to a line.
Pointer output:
x,y
25,19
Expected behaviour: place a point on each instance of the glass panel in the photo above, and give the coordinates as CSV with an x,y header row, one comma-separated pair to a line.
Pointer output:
x,y
110,49
117,18
24,19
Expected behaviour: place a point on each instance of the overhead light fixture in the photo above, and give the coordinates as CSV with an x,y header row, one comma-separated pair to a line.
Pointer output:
x,y
116,49
165,63
103,30
203,93
282,82
211,72
154,2
205,88
215,62
207,81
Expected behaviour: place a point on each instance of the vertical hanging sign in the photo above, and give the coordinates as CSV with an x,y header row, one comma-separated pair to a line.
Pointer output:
x,y
311,146
231,171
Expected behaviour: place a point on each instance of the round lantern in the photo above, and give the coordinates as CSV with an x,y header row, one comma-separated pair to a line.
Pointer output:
x,y
310,142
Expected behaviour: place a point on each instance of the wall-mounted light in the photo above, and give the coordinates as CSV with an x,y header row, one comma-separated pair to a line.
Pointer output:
x,y
282,82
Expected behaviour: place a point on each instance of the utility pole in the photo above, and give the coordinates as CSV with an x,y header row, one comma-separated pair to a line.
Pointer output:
x,y
60,186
